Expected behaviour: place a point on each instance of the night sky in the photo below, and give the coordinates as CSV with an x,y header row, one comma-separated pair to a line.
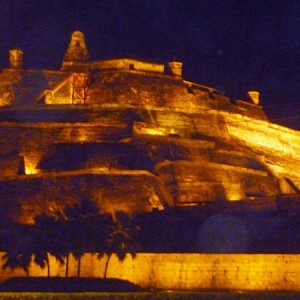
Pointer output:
x,y
232,45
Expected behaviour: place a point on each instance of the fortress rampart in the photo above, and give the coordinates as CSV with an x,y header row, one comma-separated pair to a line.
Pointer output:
x,y
102,128
236,272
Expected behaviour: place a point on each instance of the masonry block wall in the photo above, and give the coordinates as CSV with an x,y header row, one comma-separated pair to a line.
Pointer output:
x,y
211,271
257,272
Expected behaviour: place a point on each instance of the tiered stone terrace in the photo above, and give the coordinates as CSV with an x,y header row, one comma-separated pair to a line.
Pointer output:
x,y
99,128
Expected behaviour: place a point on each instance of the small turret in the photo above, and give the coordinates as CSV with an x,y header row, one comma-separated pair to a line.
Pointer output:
x,y
77,52
15,58
254,96
175,68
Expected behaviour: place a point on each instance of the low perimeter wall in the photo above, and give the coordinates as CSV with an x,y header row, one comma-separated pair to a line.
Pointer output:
x,y
186,271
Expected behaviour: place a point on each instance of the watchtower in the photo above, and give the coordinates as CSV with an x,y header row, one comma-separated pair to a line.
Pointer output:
x,y
15,58
76,53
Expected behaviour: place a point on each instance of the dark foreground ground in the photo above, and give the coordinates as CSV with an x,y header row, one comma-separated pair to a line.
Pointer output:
x,y
43,288
148,296
69,284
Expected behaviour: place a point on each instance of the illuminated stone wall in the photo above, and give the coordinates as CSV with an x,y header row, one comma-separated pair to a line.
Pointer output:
x,y
127,64
188,271
192,170
34,140
202,271
26,87
279,145
207,181
201,144
136,89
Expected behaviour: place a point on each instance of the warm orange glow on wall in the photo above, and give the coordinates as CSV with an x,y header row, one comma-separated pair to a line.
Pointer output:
x,y
154,200
252,272
30,166
234,191
144,128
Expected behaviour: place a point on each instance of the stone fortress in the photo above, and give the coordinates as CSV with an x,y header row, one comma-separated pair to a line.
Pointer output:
x,y
135,136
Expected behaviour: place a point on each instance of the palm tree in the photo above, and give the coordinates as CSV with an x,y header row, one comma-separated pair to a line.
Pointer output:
x,y
79,219
41,258
71,231
61,240
43,242
51,237
122,239
19,251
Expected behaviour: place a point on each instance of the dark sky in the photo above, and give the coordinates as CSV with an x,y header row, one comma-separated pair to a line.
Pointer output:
x,y
231,45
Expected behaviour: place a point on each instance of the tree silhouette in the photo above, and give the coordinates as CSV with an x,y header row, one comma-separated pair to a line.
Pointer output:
x,y
77,229
80,220
43,240
121,239
51,236
19,251
62,240
74,230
